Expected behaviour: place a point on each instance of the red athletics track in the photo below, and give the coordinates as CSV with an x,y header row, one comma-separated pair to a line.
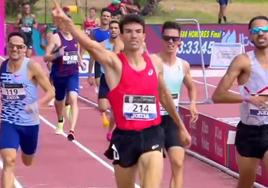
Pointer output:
x,y
81,164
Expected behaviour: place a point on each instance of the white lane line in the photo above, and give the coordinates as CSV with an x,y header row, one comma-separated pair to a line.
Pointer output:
x,y
211,85
84,148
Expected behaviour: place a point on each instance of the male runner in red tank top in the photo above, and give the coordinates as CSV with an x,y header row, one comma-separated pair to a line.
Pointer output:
x,y
136,87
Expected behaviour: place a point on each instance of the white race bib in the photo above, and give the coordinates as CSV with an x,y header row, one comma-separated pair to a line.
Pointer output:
x,y
13,91
139,107
26,29
175,98
70,58
255,111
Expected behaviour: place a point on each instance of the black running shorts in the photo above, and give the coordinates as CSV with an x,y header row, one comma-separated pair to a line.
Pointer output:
x,y
251,141
127,146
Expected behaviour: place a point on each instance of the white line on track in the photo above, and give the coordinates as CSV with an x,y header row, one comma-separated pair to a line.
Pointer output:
x,y
84,148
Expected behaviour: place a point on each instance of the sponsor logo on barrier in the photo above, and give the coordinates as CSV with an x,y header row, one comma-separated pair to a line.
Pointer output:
x,y
205,128
205,143
192,125
194,140
218,133
218,150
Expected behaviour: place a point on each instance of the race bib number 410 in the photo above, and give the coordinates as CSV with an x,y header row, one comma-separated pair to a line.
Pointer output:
x,y
138,107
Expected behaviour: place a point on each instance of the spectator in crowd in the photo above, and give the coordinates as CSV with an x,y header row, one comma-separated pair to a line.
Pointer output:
x,y
124,7
91,21
222,11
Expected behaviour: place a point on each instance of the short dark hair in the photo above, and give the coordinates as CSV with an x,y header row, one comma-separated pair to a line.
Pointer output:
x,y
93,8
19,34
131,18
113,21
256,18
25,3
171,25
105,10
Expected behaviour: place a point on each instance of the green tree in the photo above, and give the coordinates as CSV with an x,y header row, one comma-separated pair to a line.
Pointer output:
x,y
13,6
148,6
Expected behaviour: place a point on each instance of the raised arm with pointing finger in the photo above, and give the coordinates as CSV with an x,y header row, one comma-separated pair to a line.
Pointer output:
x,y
135,80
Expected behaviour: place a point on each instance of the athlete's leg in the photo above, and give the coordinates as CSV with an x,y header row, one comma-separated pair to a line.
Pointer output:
x,y
151,164
28,143
73,89
72,97
125,177
176,156
247,171
60,93
9,143
9,161
265,160
59,106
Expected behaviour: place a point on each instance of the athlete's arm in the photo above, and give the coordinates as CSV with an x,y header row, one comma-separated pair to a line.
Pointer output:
x,y
52,44
42,80
188,82
240,65
118,46
18,21
100,54
35,21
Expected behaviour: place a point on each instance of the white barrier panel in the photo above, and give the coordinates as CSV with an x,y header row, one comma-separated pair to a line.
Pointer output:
x,y
85,61
223,53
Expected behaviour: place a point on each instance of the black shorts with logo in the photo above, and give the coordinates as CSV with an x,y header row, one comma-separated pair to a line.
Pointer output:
x,y
171,131
251,141
127,146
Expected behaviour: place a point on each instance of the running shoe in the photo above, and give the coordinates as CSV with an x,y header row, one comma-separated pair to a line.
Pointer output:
x,y
105,120
70,136
59,128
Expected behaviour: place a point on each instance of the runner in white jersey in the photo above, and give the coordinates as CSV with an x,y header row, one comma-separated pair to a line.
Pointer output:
x,y
19,81
176,73
250,71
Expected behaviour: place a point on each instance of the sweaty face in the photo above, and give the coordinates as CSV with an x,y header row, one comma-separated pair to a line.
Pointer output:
x,y
27,9
133,36
16,48
105,18
171,40
92,13
115,31
259,33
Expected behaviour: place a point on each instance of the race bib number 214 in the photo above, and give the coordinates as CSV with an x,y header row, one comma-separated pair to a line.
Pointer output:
x,y
138,107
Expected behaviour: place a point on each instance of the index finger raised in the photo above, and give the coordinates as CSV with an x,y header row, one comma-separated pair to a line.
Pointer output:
x,y
56,4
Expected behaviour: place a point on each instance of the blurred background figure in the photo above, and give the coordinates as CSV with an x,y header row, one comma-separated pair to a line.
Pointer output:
x,y
91,21
222,11
26,21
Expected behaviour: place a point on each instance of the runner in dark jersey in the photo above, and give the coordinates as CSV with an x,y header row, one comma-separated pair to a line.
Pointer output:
x,y
26,22
65,76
